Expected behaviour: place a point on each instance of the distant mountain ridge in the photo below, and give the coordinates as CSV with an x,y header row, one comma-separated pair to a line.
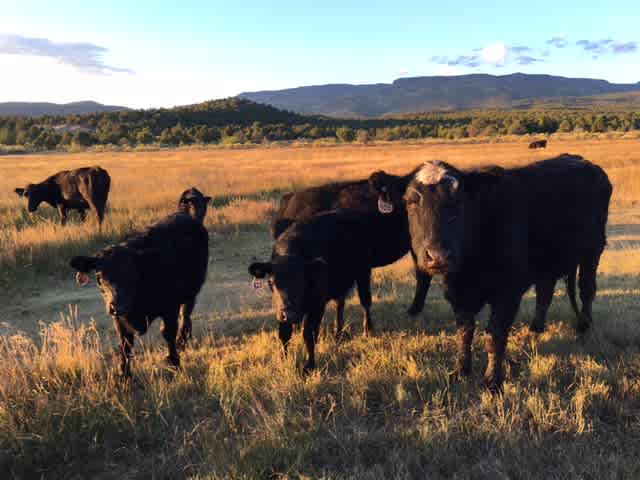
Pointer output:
x,y
36,109
438,93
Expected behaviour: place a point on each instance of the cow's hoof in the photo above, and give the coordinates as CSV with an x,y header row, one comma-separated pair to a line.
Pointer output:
x,y
459,373
172,362
493,384
583,324
181,343
308,368
414,310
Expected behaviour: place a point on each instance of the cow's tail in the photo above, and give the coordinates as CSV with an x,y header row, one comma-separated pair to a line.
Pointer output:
x,y
571,290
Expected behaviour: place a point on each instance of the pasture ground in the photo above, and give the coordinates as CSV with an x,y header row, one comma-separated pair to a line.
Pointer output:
x,y
377,407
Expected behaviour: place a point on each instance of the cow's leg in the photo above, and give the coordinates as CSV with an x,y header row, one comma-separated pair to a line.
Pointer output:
x,y
588,287
96,211
62,212
364,293
544,295
423,282
185,324
465,324
310,327
339,318
500,321
83,214
284,332
126,344
169,331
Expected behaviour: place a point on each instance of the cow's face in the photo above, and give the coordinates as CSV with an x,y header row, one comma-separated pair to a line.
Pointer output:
x,y
389,189
194,203
437,206
35,194
119,276
292,282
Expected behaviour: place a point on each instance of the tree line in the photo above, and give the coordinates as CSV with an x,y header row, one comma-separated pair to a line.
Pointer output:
x,y
238,121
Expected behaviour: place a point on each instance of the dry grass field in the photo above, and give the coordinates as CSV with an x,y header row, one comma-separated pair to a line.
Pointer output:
x,y
377,407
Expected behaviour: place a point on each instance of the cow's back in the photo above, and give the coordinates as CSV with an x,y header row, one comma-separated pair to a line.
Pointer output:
x,y
179,246
302,205
343,238
566,201
81,184
391,238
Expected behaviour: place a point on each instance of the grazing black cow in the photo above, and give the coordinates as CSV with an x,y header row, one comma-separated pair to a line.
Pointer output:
x,y
318,260
367,196
538,144
155,273
194,203
80,189
494,232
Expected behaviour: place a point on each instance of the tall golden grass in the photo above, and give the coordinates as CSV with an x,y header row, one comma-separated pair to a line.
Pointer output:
x,y
380,407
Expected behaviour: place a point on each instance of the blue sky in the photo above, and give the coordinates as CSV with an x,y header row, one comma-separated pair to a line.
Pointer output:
x,y
144,53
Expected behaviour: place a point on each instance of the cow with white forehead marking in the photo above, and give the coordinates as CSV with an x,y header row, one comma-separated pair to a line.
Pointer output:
x,y
494,232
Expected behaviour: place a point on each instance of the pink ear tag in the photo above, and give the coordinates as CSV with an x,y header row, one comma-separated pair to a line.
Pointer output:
x,y
258,286
384,206
82,279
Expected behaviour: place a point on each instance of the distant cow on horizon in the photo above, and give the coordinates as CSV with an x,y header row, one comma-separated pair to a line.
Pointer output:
x,y
79,189
538,144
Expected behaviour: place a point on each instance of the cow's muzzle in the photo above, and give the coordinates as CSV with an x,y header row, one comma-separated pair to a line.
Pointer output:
x,y
438,262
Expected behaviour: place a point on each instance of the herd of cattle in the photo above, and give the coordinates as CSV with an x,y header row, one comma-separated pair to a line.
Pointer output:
x,y
490,232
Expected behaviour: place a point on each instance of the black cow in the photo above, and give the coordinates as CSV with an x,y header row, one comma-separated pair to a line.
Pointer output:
x,y
367,196
318,260
494,232
80,189
538,144
155,273
194,203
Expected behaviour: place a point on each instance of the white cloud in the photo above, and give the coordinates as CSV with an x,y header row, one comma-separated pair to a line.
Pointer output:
x,y
496,53
84,57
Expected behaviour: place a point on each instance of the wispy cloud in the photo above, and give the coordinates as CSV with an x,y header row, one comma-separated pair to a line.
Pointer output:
x,y
85,57
527,60
520,49
501,55
494,54
559,41
607,46
470,61
596,47
627,47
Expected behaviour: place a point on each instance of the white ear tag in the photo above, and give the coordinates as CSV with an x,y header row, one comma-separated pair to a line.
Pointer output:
x,y
384,206
258,286
82,279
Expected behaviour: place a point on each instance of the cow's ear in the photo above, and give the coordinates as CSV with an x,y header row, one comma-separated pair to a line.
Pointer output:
x,y
19,191
84,264
260,269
